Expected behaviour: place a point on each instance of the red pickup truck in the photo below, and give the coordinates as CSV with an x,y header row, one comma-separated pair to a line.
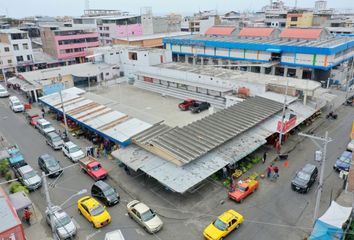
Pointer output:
x,y
184,106
93,168
243,189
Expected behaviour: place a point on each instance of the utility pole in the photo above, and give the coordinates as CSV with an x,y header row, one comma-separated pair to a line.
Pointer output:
x,y
283,114
64,115
323,148
49,203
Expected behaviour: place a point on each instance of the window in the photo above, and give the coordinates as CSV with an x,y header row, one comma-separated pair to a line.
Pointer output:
x,y
25,46
29,57
106,28
7,49
133,56
16,47
293,19
9,61
19,59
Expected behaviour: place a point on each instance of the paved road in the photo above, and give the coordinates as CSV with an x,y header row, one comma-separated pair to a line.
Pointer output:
x,y
274,212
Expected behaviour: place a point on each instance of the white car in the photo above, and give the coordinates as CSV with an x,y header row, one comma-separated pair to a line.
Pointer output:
x,y
61,223
44,126
15,104
72,151
3,92
145,216
350,146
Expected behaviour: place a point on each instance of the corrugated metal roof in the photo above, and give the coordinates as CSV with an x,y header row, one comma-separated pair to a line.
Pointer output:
x,y
216,30
256,32
114,124
306,33
183,145
7,212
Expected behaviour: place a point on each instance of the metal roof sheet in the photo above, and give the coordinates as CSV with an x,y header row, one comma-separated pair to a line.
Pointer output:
x,y
114,124
7,213
181,148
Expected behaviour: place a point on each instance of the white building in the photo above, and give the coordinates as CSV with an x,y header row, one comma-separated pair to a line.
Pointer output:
x,y
7,59
21,46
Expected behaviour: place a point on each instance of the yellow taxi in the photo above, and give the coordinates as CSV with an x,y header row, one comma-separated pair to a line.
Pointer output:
x,y
223,225
93,211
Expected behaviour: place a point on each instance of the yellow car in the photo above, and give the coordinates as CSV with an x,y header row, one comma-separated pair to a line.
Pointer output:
x,y
223,225
93,211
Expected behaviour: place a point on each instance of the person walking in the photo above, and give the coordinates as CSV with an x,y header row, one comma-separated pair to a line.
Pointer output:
x,y
27,216
276,172
269,170
43,112
264,157
88,151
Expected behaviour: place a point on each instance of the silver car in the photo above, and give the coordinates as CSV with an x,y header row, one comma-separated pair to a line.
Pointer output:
x,y
28,177
145,216
60,222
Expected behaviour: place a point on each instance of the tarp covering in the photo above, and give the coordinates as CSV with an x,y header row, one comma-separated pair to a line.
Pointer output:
x,y
20,200
329,225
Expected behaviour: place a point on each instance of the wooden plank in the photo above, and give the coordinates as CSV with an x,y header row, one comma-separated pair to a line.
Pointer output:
x,y
93,111
73,99
113,123
82,108
98,115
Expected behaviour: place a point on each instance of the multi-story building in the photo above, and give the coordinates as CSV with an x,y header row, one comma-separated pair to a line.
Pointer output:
x,y
7,60
65,43
200,22
20,44
299,18
275,14
304,53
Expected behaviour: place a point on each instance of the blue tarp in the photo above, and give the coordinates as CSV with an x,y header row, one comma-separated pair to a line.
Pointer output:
x,y
324,231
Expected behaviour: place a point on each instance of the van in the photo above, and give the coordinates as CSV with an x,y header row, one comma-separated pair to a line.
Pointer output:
x,y
44,127
54,140
3,92
104,192
15,104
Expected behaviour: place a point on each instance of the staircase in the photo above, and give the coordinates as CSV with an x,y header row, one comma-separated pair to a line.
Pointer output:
x,y
217,102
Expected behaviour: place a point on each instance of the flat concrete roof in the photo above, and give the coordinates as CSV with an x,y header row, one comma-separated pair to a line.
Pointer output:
x,y
154,36
227,74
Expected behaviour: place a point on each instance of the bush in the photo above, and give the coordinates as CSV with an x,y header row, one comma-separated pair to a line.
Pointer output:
x,y
17,187
4,167
8,175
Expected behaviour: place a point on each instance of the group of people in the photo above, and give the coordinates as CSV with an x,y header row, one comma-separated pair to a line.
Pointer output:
x,y
90,151
272,172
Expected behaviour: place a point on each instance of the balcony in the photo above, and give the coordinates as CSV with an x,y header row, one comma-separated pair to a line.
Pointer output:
x,y
78,36
77,45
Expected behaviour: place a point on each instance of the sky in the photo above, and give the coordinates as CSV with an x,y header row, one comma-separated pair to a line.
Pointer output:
x,y
21,8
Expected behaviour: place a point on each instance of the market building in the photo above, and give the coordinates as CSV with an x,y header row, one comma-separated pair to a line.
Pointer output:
x,y
304,53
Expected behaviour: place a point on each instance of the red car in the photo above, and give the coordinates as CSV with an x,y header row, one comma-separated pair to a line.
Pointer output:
x,y
243,189
32,119
184,106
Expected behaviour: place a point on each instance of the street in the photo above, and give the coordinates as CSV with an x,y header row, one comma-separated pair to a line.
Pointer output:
x,y
273,212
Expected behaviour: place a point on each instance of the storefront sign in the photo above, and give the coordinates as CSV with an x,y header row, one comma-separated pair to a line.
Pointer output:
x,y
287,125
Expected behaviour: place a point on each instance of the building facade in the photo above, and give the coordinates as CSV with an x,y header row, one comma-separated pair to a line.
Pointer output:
x,y
20,45
7,60
299,18
68,43
301,53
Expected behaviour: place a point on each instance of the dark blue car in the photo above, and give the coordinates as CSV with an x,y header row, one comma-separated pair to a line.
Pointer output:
x,y
343,162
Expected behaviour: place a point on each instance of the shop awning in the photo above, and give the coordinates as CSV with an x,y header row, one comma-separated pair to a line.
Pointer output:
x,y
274,50
20,200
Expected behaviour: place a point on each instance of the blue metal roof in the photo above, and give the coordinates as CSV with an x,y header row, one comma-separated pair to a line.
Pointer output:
x,y
259,46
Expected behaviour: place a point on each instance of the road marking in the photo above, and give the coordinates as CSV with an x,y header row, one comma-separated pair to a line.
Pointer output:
x,y
139,231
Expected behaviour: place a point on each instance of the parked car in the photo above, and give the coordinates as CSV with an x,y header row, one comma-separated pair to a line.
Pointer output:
x,y
343,162
44,127
15,104
223,225
93,211
304,178
54,140
3,92
16,158
61,223
145,216
114,235
28,177
72,151
93,167
243,190
350,146
186,104
32,118
49,165
198,107
105,193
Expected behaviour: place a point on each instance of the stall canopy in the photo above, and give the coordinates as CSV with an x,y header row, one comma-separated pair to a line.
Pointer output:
x,y
329,225
20,201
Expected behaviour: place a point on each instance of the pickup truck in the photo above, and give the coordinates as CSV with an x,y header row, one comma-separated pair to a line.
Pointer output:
x,y
93,168
243,189
186,104
32,117
16,158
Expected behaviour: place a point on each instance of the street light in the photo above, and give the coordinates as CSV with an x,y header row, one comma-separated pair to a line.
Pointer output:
x,y
83,191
